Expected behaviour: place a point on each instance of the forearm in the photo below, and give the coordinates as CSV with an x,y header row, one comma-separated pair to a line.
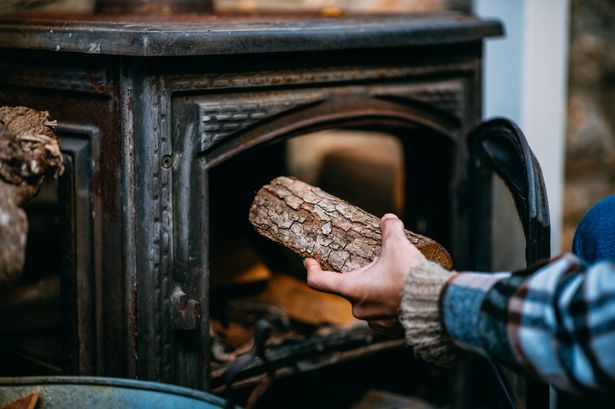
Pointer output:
x,y
556,324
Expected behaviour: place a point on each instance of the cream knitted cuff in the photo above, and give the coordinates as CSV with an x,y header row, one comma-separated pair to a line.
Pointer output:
x,y
420,314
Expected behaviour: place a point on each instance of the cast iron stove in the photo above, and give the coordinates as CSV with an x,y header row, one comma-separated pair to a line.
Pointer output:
x,y
149,106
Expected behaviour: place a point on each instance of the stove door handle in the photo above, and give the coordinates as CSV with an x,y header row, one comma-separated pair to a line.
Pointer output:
x,y
499,146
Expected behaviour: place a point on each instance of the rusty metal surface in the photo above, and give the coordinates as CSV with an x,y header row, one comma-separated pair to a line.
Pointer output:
x,y
106,393
186,313
151,151
234,34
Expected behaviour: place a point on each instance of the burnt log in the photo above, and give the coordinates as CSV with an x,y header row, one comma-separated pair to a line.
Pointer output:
x,y
29,151
313,223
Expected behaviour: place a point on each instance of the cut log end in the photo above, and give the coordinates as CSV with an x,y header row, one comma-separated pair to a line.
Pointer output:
x,y
29,149
313,223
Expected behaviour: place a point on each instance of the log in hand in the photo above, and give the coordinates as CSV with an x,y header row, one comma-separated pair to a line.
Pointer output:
x,y
373,256
374,290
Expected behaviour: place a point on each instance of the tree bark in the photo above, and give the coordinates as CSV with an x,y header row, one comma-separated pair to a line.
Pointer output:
x,y
29,150
313,223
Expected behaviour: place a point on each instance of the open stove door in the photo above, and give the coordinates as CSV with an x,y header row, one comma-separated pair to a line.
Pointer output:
x,y
498,149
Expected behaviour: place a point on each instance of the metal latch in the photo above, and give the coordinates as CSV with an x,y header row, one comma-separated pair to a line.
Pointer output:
x,y
185,312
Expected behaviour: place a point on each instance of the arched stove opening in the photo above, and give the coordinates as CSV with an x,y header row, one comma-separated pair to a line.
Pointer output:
x,y
380,165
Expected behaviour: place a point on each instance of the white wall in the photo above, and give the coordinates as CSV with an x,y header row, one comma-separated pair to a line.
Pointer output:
x,y
525,80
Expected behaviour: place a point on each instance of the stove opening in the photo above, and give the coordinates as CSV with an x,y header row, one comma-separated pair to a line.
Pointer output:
x,y
316,343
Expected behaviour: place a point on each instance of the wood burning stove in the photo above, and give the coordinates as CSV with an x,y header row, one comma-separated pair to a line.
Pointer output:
x,y
160,116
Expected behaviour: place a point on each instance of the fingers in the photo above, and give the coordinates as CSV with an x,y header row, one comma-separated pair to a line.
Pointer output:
x,y
384,323
390,327
386,218
392,233
327,281
391,226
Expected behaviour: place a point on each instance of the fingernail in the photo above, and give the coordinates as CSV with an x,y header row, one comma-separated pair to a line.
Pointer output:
x,y
390,216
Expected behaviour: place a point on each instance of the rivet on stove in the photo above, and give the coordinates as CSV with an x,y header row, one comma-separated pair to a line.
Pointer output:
x,y
167,161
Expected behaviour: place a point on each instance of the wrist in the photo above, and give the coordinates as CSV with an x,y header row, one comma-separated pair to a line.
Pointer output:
x,y
420,313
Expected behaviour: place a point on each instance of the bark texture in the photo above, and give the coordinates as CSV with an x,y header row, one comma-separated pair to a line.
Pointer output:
x,y
29,150
313,223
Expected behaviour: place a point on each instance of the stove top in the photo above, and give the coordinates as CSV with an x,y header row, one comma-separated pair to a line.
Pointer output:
x,y
215,34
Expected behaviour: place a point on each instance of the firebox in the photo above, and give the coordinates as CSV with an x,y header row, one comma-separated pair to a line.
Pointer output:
x,y
169,125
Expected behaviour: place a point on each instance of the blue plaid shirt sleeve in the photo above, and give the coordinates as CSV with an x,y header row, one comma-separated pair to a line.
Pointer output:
x,y
556,321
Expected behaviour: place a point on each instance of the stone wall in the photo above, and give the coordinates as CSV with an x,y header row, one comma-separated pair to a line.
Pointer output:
x,y
590,145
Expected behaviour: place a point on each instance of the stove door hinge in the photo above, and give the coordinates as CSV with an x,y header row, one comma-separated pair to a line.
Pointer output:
x,y
185,312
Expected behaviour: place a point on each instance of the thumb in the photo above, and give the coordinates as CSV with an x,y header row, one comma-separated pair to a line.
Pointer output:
x,y
327,281
392,229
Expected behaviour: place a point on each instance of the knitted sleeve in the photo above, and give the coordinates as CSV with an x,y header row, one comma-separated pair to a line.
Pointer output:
x,y
425,310
420,314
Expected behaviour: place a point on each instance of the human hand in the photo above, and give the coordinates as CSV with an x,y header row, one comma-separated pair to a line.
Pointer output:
x,y
374,290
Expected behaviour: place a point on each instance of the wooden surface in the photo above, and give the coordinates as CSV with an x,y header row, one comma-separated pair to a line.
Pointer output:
x,y
306,305
313,223
27,402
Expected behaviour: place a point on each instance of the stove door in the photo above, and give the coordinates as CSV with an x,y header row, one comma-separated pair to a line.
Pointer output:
x,y
498,152
499,147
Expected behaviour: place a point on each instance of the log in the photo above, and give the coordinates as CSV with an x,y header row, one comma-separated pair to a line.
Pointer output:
x,y
29,151
306,305
27,402
234,262
313,223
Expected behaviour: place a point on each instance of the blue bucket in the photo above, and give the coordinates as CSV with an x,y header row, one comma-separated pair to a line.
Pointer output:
x,y
69,392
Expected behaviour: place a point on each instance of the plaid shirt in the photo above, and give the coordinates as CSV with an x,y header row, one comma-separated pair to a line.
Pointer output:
x,y
556,321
